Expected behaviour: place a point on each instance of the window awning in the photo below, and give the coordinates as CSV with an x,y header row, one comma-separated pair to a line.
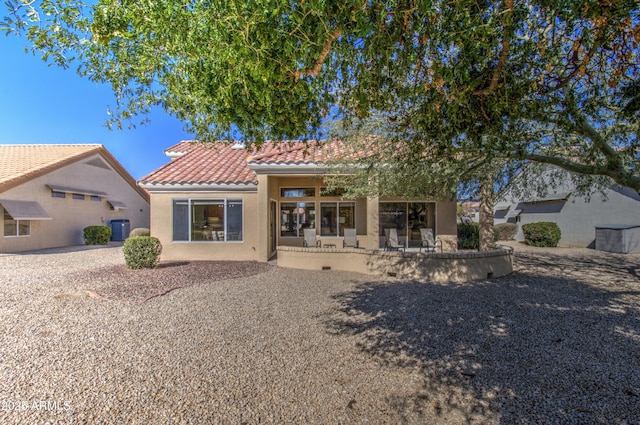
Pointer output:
x,y
512,213
557,196
66,189
25,210
117,205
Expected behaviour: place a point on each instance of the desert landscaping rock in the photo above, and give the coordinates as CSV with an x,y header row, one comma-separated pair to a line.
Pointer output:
x,y
85,340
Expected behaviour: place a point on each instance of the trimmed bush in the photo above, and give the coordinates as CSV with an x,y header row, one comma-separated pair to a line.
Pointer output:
x,y
468,236
142,252
505,231
96,235
543,233
140,231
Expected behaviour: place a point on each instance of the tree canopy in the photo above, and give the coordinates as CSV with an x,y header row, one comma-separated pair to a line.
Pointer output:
x,y
474,81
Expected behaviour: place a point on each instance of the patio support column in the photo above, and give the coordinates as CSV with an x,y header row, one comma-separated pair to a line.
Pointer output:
x,y
447,227
373,221
262,228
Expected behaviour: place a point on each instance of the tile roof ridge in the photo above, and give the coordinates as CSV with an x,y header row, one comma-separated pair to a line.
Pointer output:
x,y
206,162
290,146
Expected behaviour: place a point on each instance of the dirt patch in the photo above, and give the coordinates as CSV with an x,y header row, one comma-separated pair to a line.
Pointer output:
x,y
119,283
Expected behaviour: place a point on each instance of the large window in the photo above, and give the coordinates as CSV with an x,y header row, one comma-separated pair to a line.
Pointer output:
x,y
296,216
408,218
16,227
217,220
336,216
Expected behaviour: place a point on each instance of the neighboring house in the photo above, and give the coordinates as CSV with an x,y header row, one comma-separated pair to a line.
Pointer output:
x,y
223,202
576,216
471,211
50,193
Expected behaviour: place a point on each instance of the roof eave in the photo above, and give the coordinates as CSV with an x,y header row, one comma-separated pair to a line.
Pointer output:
x,y
285,169
154,187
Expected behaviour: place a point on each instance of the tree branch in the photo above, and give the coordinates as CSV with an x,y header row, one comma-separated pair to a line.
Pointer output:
x,y
596,46
504,52
583,127
619,176
317,67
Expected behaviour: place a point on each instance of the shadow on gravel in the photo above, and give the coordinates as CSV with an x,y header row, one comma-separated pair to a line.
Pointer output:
x,y
67,249
558,341
170,264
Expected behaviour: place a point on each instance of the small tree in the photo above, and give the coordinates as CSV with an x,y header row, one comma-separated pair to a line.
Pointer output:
x,y
142,252
469,235
96,235
505,231
543,234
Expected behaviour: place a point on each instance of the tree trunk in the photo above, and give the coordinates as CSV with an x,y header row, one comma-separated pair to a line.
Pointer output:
x,y
486,212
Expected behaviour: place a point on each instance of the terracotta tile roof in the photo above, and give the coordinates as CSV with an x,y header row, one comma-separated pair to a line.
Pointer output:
x,y
297,153
21,163
224,163
203,163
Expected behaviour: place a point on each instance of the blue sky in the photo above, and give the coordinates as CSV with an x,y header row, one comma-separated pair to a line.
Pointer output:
x,y
46,104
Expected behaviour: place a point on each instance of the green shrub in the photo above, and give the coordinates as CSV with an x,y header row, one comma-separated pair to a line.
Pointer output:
x,y
142,252
505,231
140,231
96,235
543,233
468,235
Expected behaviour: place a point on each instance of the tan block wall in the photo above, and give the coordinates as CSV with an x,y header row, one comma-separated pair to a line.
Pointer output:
x,y
71,216
455,267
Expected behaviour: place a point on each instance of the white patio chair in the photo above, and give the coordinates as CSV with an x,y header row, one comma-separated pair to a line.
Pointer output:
x,y
350,239
429,242
392,243
310,238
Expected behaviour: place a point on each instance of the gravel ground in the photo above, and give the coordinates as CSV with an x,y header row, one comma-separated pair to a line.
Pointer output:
x,y
84,340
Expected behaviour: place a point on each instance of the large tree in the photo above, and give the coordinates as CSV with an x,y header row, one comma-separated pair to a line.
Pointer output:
x,y
476,81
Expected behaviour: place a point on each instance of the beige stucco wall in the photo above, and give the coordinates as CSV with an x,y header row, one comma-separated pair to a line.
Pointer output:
x,y
71,216
248,249
257,221
447,227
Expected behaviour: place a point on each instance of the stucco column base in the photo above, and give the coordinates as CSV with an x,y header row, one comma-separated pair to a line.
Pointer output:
x,y
449,243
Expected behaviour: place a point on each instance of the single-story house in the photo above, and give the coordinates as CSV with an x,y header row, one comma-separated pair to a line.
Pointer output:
x,y
50,193
221,201
576,215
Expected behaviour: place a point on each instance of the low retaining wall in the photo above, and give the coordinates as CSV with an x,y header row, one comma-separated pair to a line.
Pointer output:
x,y
432,267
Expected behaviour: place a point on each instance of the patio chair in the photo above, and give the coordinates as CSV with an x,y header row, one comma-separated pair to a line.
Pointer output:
x,y
310,239
392,243
350,239
429,242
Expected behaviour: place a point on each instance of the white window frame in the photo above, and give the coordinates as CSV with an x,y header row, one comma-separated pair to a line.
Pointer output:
x,y
193,201
298,225
18,223
338,224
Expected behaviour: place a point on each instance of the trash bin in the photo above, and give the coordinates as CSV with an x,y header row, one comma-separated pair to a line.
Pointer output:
x,y
120,230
